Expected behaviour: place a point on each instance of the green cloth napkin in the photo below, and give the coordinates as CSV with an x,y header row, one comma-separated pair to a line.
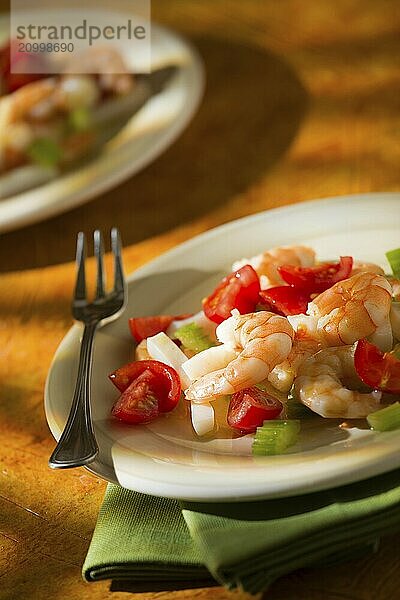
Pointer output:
x,y
247,545
143,538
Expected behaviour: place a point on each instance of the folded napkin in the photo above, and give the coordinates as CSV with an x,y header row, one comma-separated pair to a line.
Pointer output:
x,y
157,543
144,539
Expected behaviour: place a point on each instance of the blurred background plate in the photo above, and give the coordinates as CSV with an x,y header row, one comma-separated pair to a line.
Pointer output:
x,y
144,137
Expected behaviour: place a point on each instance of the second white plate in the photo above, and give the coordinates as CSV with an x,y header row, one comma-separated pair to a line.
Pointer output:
x,y
145,136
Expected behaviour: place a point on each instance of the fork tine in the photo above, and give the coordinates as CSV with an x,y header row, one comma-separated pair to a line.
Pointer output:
x,y
119,282
99,253
80,286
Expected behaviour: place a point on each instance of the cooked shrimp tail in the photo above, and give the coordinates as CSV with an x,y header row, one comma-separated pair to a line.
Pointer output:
x,y
283,374
351,309
321,385
263,340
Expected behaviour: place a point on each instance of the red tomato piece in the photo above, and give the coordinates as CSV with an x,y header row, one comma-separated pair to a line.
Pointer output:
x,y
238,290
285,300
139,402
249,408
380,370
317,279
144,327
9,54
165,382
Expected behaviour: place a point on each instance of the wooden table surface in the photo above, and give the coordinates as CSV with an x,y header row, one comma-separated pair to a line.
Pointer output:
x,y
302,101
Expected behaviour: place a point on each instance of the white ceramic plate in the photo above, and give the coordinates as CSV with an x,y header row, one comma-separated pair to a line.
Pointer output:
x,y
165,458
146,135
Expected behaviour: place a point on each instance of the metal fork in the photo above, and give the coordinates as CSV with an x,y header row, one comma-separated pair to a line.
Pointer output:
x,y
77,445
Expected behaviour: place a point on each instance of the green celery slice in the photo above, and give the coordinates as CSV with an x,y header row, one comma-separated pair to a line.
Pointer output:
x,y
385,419
193,337
79,119
393,257
45,152
274,437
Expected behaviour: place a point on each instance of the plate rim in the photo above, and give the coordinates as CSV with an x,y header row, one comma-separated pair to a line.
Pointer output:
x,y
189,490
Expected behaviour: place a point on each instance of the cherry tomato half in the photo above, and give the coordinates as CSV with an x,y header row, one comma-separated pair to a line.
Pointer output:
x,y
139,402
317,279
238,290
380,370
249,408
144,327
285,300
161,382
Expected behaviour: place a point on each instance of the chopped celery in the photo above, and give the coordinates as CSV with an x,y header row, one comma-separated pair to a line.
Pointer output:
x,y
393,257
385,419
45,152
193,338
79,119
274,437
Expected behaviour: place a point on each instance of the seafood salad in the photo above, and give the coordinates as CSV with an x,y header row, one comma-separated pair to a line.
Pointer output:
x,y
48,122
281,338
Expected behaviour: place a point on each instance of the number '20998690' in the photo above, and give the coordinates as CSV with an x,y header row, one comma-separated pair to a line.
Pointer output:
x,y
35,47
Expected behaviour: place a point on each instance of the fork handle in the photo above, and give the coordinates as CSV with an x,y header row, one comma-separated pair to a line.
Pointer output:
x,y
77,445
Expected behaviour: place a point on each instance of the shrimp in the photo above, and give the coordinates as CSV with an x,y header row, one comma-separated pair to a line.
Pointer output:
x,y
366,267
282,376
31,96
351,309
360,267
15,137
264,340
266,263
319,385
